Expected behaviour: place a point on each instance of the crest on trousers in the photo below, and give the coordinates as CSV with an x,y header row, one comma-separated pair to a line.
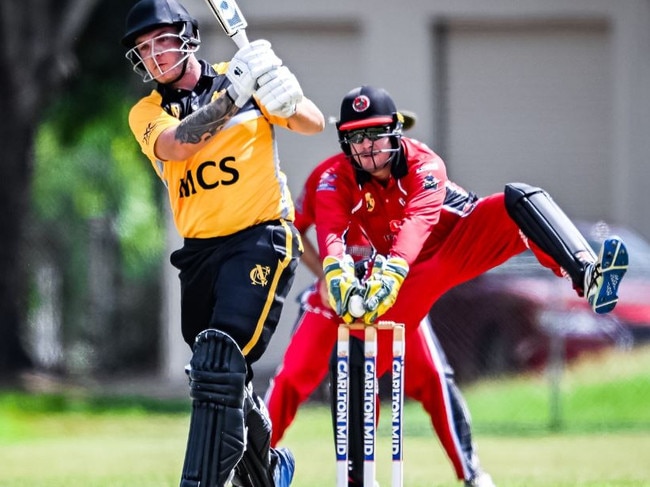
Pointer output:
x,y
259,275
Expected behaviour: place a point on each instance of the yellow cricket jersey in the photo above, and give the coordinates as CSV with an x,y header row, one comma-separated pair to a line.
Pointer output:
x,y
234,182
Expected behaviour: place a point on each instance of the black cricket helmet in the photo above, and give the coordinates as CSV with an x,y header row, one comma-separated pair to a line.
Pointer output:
x,y
367,106
147,15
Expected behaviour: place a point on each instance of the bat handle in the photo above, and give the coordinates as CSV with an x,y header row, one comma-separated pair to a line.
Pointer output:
x,y
240,38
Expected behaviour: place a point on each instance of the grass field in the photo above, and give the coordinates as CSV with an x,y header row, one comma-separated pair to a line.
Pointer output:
x,y
75,441
560,460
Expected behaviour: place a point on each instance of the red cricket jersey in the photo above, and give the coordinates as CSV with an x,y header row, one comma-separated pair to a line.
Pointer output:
x,y
356,244
398,219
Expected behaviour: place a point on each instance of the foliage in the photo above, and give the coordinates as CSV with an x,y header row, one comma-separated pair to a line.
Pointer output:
x,y
97,220
104,174
63,57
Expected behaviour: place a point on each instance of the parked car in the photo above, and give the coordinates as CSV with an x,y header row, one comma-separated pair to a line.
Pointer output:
x,y
517,316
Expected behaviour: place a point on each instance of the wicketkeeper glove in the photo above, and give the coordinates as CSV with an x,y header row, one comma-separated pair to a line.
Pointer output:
x,y
246,66
382,286
341,284
279,91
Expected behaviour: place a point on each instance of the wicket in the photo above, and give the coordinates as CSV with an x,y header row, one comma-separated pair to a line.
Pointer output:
x,y
369,402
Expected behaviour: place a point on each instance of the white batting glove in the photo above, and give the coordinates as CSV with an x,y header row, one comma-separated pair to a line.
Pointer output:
x,y
279,92
248,64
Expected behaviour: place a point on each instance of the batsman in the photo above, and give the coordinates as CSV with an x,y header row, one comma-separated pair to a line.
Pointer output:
x,y
430,234
209,133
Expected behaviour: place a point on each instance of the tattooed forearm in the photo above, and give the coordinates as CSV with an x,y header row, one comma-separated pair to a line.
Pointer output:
x,y
206,121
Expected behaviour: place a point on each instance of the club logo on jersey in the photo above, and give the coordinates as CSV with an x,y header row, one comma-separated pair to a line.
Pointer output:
x,y
327,183
175,110
361,103
147,133
430,182
370,202
259,275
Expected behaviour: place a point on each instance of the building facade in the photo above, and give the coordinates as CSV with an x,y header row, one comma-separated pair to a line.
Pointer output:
x,y
554,93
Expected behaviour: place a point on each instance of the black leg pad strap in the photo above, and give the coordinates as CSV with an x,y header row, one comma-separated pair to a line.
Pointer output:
x,y
256,466
216,436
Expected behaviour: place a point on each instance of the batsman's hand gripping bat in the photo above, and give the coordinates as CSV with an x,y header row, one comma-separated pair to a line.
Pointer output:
x,y
231,19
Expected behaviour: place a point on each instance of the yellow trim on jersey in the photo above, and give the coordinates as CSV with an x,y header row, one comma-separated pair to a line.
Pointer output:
x,y
271,292
232,183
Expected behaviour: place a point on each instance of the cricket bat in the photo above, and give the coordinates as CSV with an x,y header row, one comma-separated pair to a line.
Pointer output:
x,y
231,19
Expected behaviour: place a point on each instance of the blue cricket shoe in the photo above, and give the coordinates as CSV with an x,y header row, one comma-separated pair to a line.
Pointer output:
x,y
603,277
284,468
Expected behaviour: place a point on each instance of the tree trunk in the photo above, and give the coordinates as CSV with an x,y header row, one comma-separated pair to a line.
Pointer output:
x,y
36,55
15,177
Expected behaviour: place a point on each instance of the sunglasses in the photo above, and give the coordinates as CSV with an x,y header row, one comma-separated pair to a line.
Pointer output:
x,y
370,133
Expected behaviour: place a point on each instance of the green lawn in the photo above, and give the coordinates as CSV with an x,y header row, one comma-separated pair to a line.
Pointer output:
x,y
604,439
117,450
560,460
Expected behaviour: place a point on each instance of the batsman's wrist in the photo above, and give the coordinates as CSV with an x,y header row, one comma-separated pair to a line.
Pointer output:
x,y
235,97
232,94
290,110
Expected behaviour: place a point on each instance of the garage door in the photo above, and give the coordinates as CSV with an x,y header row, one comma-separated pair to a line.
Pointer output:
x,y
530,102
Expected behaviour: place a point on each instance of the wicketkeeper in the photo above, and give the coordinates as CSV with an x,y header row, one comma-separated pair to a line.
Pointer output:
x,y
429,233
305,361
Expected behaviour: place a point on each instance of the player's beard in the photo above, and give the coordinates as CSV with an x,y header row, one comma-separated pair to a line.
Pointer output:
x,y
179,67
361,158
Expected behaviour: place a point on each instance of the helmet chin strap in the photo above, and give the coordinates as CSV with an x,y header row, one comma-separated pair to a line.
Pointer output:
x,y
181,74
373,153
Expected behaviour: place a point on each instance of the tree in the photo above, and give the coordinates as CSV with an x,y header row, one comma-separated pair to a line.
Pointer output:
x,y
37,57
96,244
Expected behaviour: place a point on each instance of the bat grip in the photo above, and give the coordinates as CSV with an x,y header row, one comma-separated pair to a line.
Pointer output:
x,y
240,38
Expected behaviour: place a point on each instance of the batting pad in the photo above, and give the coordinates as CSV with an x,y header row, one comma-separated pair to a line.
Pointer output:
x,y
215,442
545,224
